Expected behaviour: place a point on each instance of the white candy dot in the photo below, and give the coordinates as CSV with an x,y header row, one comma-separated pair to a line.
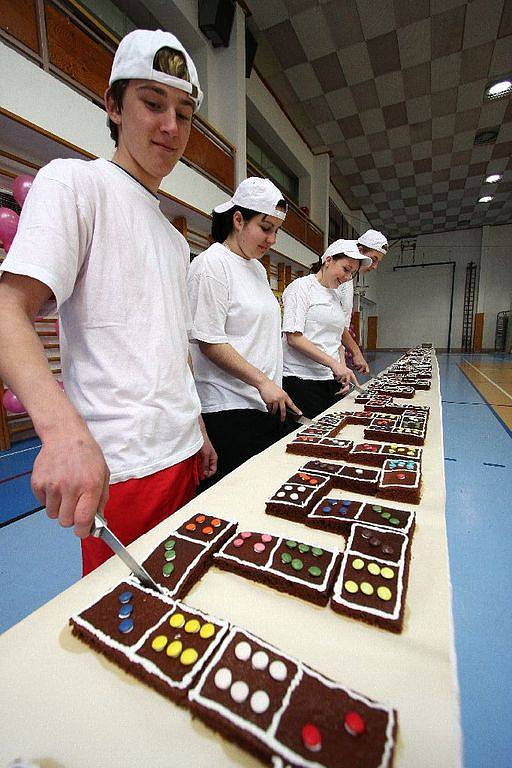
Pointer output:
x,y
278,670
359,471
223,678
239,691
280,494
301,488
260,702
243,651
294,496
287,487
260,660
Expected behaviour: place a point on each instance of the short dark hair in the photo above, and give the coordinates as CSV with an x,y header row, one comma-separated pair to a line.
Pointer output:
x,y
222,223
166,60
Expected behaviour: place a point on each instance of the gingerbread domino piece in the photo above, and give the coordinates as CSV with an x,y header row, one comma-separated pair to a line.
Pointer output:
x,y
186,554
286,713
400,480
294,497
372,583
338,515
375,454
322,446
157,640
358,480
394,390
299,569
409,429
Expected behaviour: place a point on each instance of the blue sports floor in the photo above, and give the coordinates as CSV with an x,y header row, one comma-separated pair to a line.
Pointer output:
x,y
38,559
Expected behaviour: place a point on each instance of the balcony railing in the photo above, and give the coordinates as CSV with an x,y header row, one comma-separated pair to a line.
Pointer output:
x,y
77,49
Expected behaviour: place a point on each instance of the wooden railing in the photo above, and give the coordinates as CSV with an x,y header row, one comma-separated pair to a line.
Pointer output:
x,y
297,224
79,51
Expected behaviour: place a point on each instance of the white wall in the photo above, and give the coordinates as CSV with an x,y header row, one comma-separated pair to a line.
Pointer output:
x,y
495,293
413,304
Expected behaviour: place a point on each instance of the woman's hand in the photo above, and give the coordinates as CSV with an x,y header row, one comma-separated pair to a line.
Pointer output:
x,y
276,399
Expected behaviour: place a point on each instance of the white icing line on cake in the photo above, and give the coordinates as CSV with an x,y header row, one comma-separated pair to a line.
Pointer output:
x,y
268,737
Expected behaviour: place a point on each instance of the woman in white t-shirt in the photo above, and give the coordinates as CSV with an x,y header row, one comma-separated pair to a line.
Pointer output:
x,y
313,322
236,330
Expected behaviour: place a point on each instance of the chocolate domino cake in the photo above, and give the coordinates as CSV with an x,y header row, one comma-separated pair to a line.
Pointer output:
x,y
267,702
161,642
286,713
302,570
186,554
372,583
409,428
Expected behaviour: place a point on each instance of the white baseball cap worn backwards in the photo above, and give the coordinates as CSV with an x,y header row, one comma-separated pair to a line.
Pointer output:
x,y
346,248
255,194
135,57
374,240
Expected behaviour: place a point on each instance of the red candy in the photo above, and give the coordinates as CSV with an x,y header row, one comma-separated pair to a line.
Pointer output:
x,y
311,737
354,724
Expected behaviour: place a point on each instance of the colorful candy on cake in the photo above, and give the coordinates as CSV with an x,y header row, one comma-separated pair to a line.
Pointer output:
x,y
373,578
338,515
300,569
267,702
185,555
409,428
286,713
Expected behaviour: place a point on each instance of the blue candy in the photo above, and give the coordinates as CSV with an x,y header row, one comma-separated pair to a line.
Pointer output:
x,y
126,626
125,611
125,597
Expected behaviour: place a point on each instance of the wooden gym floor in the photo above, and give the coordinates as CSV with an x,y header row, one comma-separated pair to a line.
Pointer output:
x,y
493,381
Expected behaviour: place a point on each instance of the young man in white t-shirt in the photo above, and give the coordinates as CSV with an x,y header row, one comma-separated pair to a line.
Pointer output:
x,y
92,236
372,244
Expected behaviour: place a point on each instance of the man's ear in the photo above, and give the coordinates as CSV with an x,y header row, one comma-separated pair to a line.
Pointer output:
x,y
113,110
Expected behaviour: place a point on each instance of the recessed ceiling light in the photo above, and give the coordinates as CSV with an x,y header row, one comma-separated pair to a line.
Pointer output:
x,y
487,135
485,199
493,178
498,89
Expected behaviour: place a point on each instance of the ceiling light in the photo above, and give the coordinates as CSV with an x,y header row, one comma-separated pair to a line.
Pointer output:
x,y
498,89
485,199
493,178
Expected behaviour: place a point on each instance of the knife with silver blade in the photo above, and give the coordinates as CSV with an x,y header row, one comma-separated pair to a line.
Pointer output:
x,y
100,530
299,419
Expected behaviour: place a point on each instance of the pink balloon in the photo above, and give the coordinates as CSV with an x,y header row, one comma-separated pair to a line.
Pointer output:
x,y
21,187
11,402
8,226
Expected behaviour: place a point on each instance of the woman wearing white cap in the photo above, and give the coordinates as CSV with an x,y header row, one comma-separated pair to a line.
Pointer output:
x,y
313,324
374,245
236,332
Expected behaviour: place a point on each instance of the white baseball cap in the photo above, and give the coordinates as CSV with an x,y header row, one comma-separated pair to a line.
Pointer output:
x,y
347,248
135,57
256,194
374,240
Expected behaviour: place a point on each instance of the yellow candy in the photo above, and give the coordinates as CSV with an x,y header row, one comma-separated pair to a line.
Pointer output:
x,y
387,573
351,587
207,631
192,626
366,588
357,564
177,620
159,643
384,593
188,657
374,569
174,649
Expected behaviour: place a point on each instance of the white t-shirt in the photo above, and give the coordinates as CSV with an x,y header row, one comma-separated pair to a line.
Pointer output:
x,y
117,267
345,294
316,312
232,303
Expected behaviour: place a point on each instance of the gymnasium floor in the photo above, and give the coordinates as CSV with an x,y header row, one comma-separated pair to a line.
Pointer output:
x,y
38,559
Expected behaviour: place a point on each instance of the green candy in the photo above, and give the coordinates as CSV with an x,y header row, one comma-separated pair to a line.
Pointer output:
x,y
291,544
314,571
385,515
169,554
168,569
394,520
303,548
286,558
297,564
316,552
376,508
169,544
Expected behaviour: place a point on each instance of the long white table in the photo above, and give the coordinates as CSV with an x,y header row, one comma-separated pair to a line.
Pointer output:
x,y
64,706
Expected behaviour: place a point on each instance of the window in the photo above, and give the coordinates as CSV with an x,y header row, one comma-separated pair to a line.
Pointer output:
x,y
263,158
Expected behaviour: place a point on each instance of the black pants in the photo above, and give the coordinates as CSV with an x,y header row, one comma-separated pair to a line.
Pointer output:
x,y
312,397
237,435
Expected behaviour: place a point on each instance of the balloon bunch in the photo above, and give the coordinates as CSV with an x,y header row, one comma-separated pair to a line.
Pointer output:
x,y
8,218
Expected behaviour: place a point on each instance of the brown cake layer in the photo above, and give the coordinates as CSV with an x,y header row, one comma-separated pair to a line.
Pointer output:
x,y
299,569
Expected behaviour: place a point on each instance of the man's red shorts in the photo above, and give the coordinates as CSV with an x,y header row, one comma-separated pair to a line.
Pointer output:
x,y
135,506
